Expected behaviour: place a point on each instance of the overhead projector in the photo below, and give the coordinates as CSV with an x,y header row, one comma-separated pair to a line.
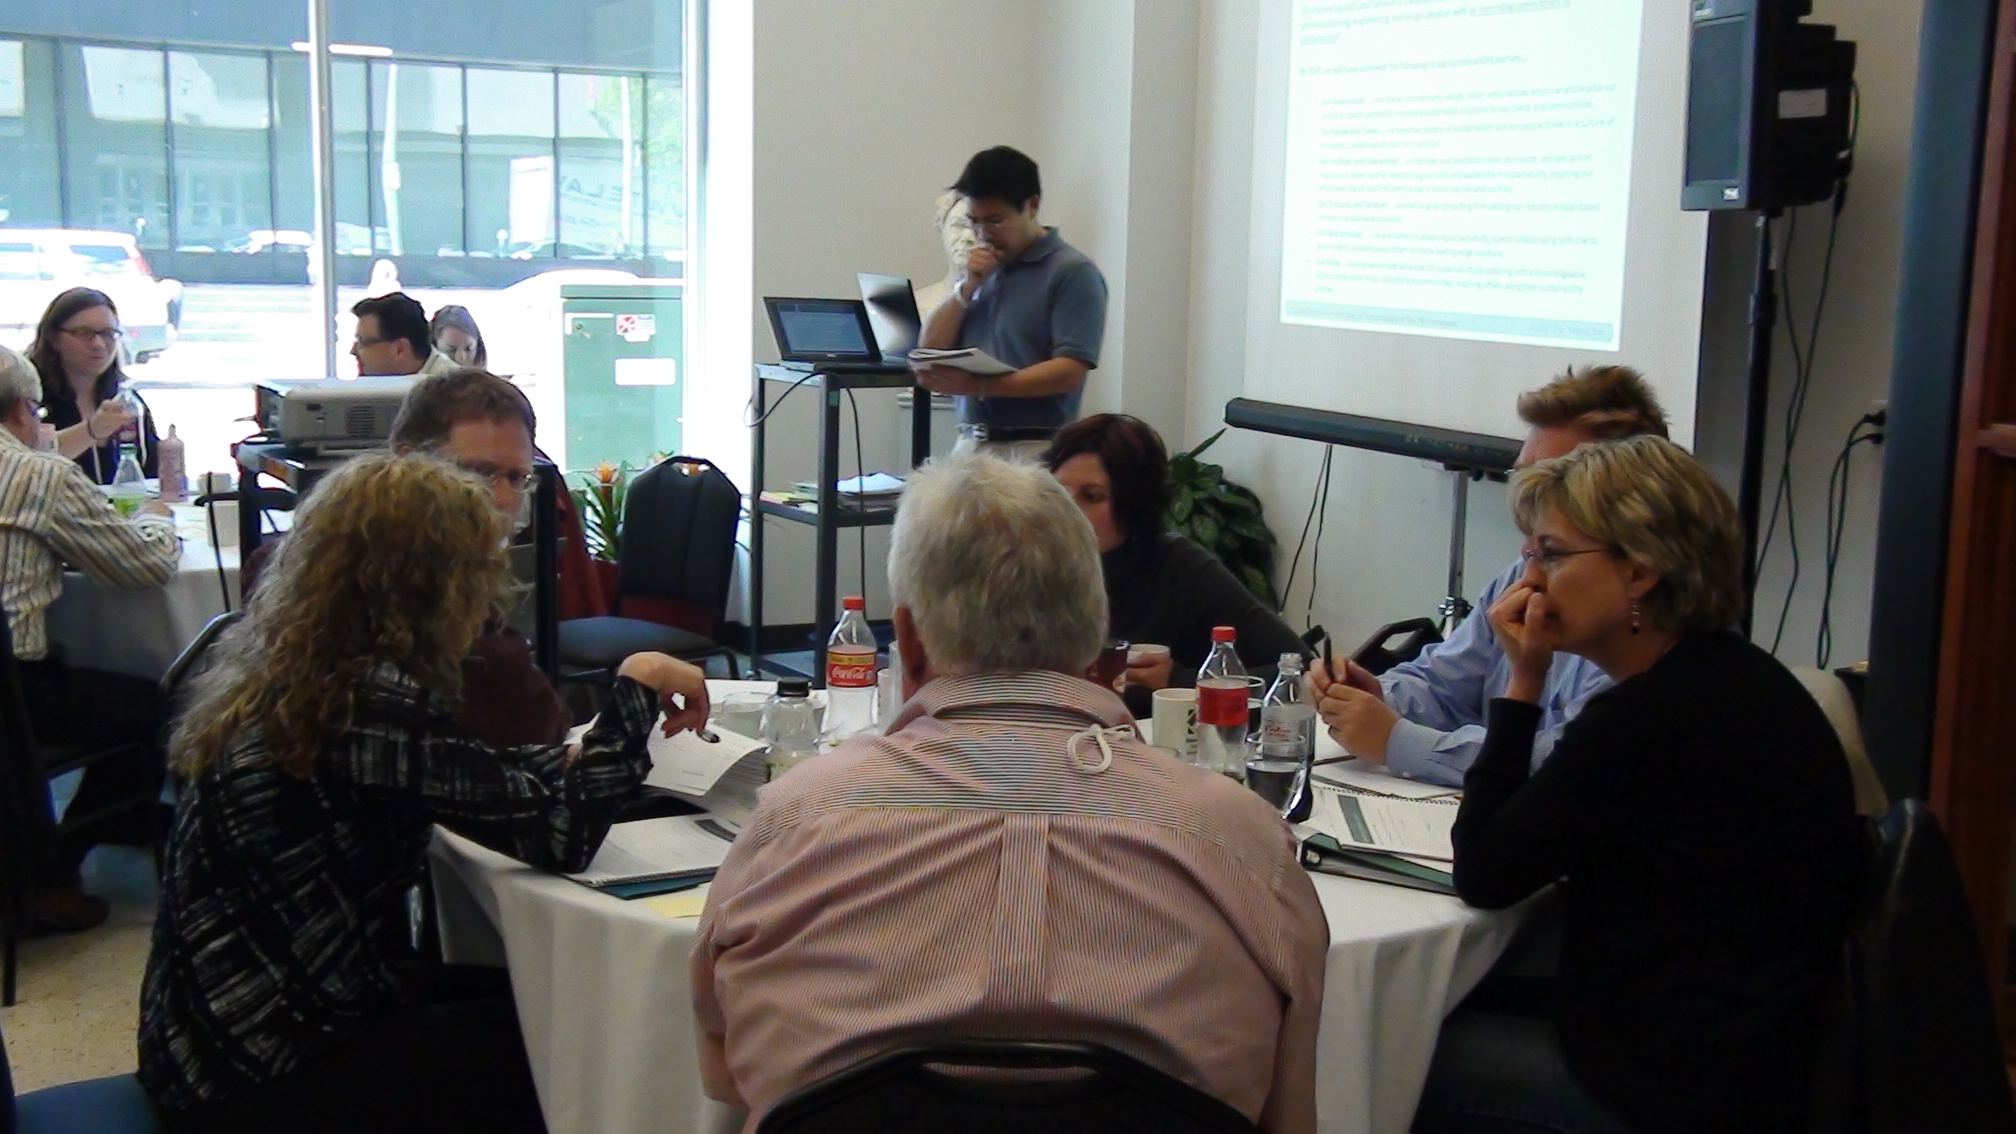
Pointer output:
x,y
333,415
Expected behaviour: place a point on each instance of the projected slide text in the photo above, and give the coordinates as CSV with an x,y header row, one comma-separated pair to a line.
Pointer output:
x,y
1460,170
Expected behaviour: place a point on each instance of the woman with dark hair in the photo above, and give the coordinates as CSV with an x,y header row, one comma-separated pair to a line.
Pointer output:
x,y
76,350
453,333
317,753
1161,588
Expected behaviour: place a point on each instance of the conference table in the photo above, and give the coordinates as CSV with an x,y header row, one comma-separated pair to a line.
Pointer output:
x,y
605,1002
141,630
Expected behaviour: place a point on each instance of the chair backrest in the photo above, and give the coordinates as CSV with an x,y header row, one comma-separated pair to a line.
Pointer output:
x,y
1396,643
1923,1050
678,551
905,1091
1839,706
190,662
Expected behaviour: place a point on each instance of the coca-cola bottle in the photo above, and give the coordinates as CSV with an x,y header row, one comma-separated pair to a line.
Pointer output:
x,y
850,674
1221,707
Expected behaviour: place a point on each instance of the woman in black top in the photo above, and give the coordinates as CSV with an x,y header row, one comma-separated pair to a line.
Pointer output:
x,y
1698,815
76,350
1161,588
319,752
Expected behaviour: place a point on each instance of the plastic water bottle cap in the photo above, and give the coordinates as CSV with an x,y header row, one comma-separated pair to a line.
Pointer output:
x,y
854,602
1224,634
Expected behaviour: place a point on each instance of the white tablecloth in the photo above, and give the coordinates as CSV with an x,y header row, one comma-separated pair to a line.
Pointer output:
x,y
606,1006
141,630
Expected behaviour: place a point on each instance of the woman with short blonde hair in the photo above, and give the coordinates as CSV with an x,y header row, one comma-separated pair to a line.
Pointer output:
x,y
319,751
1698,815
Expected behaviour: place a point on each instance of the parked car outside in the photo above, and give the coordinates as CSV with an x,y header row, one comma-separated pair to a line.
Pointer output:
x,y
38,264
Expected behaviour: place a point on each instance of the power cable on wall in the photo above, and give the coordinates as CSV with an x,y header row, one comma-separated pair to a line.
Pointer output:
x,y
1783,502
1316,496
1837,525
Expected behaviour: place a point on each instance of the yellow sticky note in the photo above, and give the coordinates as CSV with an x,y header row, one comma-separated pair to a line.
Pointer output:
x,y
686,903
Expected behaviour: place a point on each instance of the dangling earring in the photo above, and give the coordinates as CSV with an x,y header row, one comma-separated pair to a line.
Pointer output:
x,y
1635,622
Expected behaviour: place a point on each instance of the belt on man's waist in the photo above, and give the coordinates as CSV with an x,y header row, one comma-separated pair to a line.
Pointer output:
x,y
981,431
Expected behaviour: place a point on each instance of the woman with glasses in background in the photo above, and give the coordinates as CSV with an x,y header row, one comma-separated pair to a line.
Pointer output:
x,y
77,349
1697,815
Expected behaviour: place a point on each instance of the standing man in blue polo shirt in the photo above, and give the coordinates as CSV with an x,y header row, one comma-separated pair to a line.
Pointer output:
x,y
1028,299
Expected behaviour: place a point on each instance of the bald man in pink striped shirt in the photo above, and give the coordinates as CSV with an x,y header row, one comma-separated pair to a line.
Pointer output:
x,y
1010,861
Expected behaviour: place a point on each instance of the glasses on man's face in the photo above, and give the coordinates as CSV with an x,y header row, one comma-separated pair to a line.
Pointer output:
x,y
110,336
521,481
1551,559
361,342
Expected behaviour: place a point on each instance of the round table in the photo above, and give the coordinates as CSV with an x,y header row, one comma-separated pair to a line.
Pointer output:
x,y
141,630
606,1006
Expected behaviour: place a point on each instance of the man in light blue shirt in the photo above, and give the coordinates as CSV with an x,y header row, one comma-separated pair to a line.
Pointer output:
x,y
1424,719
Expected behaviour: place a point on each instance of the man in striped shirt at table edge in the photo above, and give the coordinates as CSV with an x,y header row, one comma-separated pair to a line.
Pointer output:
x,y
1010,861
51,514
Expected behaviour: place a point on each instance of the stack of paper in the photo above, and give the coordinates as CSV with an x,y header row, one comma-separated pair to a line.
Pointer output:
x,y
1382,838
675,849
972,360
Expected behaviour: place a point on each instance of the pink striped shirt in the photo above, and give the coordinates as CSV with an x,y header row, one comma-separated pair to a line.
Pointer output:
x,y
972,876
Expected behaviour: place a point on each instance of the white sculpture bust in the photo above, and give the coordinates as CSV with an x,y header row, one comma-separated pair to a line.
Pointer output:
x,y
955,232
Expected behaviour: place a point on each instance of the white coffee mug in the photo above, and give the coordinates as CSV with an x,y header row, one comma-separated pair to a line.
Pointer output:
x,y
1175,721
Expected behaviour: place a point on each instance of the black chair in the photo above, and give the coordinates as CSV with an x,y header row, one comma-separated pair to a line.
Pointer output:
x,y
1916,1047
677,558
1382,652
189,662
905,1091
114,1105
26,767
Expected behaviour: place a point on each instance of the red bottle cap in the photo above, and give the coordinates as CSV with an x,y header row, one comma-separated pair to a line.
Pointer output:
x,y
1223,634
854,602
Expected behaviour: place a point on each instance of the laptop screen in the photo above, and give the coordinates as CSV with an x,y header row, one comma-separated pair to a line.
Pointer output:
x,y
820,329
892,312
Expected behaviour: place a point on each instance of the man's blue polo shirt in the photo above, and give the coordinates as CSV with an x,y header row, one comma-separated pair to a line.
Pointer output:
x,y
1049,302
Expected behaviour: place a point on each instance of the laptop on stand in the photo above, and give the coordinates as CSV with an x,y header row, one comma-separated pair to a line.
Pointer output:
x,y
830,336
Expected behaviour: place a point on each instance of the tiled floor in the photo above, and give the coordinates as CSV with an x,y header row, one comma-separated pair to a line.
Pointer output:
x,y
80,993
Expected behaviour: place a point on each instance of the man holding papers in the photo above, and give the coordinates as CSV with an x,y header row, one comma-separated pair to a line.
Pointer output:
x,y
1425,719
1027,299
1010,860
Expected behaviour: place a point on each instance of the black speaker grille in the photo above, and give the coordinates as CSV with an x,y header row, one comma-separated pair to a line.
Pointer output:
x,y
1717,110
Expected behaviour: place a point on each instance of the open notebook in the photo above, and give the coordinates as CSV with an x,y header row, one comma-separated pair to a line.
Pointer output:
x,y
678,848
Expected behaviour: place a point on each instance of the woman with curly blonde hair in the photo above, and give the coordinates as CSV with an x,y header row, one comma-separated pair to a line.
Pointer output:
x,y
1697,816
318,752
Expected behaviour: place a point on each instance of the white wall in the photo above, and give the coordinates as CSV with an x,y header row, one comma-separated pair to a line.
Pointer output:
x,y
1386,542
1148,167
1853,364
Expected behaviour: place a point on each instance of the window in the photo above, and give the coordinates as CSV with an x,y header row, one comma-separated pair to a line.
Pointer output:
x,y
115,117
512,210
28,187
417,154
220,113
601,167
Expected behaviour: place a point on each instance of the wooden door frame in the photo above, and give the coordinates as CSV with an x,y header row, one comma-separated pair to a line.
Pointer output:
x,y
1973,758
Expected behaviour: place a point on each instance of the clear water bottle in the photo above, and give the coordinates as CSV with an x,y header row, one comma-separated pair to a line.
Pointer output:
x,y
129,484
790,727
1221,707
850,674
130,434
1278,770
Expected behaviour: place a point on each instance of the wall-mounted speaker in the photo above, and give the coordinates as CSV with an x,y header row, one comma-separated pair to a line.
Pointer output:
x,y
1768,106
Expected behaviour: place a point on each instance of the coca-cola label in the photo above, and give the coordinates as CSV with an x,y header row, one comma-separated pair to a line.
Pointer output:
x,y
850,668
1221,702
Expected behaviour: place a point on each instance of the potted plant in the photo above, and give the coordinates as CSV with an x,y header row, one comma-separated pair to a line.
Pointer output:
x,y
1223,518
599,498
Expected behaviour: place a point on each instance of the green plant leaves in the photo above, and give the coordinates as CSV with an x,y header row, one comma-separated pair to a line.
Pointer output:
x,y
1224,518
